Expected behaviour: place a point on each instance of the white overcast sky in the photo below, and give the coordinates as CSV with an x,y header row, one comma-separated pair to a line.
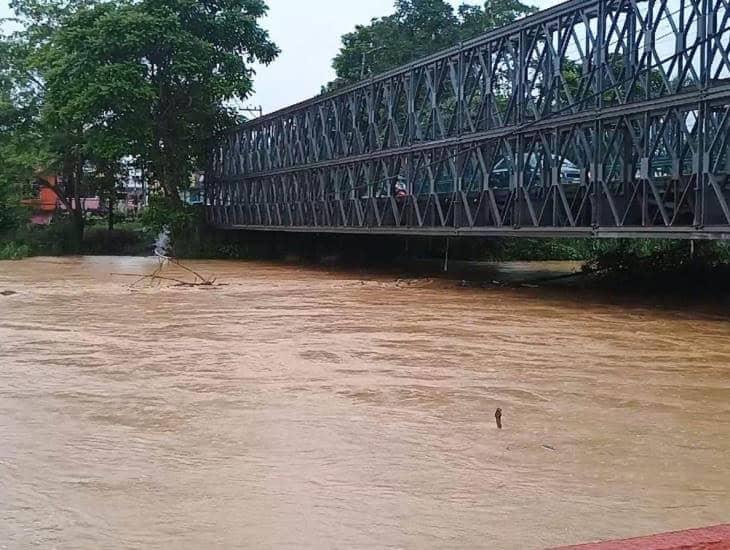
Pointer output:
x,y
308,33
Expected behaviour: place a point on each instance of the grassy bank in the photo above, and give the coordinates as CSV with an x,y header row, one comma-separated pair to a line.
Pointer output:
x,y
128,238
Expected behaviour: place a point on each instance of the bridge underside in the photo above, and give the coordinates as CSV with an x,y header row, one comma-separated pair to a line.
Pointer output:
x,y
596,118
706,234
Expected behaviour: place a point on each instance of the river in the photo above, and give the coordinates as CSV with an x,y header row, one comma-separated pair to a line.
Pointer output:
x,y
292,407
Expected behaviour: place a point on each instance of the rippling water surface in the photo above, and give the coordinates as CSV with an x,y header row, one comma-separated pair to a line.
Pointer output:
x,y
309,409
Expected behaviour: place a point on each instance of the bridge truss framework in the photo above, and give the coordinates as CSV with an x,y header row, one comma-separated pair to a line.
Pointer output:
x,y
592,118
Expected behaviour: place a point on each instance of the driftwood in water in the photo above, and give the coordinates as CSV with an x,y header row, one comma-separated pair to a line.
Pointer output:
x,y
158,276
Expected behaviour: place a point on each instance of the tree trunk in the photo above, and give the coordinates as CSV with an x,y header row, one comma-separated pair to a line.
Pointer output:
x,y
77,214
79,225
172,192
111,214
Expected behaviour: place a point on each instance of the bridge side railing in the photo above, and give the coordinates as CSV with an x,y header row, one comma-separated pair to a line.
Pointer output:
x,y
655,167
594,113
545,64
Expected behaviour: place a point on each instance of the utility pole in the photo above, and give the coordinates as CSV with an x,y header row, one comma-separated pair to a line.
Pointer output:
x,y
365,54
259,110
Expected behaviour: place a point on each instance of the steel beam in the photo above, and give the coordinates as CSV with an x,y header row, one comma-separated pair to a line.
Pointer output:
x,y
593,118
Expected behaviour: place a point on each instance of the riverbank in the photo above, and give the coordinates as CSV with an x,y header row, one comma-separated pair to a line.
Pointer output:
x,y
662,266
659,266
128,238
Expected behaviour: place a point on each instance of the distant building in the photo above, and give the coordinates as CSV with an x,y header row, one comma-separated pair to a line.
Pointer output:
x,y
45,202
194,194
133,189
132,197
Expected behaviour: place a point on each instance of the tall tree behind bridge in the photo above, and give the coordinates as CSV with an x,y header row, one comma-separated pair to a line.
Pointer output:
x,y
416,29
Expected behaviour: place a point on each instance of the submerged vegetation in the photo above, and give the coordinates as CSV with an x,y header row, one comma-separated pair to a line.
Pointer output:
x,y
128,238
686,267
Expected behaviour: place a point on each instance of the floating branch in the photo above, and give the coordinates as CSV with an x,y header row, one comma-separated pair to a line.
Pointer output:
x,y
157,276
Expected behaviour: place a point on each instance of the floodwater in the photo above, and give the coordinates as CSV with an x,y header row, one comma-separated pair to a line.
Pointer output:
x,y
301,408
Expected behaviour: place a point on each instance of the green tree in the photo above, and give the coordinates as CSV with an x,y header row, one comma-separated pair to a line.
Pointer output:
x,y
151,79
104,182
476,20
416,29
155,78
44,141
20,145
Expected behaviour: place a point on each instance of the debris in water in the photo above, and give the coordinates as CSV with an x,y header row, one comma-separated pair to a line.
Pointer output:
x,y
8,293
549,447
498,418
157,277
161,245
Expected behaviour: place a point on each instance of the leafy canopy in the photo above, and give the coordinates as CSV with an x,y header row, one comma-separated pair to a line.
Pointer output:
x,y
21,145
87,83
154,78
416,29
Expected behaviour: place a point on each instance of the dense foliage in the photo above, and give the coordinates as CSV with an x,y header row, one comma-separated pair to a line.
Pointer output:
x,y
85,84
416,29
154,78
17,139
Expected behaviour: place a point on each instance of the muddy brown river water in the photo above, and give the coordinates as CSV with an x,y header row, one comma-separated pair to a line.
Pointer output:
x,y
301,408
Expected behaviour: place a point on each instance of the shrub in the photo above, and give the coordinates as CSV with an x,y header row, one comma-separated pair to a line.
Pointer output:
x,y
14,251
56,239
162,212
99,241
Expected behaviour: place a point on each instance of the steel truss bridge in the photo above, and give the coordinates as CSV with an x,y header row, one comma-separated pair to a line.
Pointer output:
x,y
593,118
